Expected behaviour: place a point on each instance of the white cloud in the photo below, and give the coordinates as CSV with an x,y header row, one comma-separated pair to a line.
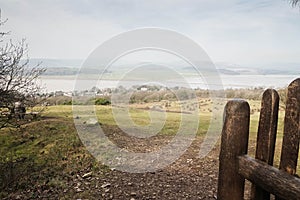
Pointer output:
x,y
53,32
238,31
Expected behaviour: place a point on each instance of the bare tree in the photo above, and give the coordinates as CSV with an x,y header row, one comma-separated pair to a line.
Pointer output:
x,y
295,2
17,78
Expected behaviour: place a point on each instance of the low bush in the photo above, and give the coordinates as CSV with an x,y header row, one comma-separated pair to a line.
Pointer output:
x,y
102,101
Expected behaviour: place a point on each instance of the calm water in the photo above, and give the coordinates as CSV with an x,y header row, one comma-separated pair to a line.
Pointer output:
x,y
229,81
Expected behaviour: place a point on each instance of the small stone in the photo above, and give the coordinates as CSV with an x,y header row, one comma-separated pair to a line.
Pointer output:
x,y
87,175
92,121
79,177
79,190
133,193
105,185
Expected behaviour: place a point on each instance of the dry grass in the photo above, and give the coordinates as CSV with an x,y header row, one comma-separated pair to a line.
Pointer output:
x,y
46,154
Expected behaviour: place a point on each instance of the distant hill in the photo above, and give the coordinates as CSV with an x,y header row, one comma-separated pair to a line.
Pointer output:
x,y
58,67
264,69
56,63
71,67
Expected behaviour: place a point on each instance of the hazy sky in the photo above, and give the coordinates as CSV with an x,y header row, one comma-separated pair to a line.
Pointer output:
x,y
235,31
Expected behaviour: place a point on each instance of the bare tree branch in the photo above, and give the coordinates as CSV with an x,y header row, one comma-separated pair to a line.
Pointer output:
x,y
295,2
17,78
1,24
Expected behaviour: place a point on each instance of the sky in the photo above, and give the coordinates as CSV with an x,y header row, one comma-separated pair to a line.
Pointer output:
x,y
243,32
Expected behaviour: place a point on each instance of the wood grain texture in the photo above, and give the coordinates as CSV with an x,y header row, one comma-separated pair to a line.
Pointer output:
x,y
291,133
266,136
290,143
270,178
234,143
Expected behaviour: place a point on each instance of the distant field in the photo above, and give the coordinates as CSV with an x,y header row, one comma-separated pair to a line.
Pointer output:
x,y
140,113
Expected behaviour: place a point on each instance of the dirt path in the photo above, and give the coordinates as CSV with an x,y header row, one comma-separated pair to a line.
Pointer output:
x,y
188,178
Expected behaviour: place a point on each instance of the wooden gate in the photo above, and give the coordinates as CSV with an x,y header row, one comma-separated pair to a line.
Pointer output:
x,y
236,166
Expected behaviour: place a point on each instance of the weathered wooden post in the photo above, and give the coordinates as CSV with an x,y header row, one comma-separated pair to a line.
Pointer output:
x,y
234,143
266,136
291,137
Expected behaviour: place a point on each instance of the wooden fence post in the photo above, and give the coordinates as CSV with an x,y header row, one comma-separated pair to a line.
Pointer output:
x,y
234,143
266,136
291,137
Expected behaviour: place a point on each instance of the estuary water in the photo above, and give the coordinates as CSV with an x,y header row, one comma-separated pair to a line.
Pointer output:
x,y
67,84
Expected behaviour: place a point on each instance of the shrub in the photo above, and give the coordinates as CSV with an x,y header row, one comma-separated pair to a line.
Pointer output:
x,y
102,101
67,102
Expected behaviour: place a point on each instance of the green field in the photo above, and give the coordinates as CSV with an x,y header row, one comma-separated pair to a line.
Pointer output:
x,y
47,151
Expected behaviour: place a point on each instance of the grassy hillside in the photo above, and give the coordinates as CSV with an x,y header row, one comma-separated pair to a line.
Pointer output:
x,y
45,157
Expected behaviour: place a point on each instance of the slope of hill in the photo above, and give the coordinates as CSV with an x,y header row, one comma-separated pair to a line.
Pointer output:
x,y
64,67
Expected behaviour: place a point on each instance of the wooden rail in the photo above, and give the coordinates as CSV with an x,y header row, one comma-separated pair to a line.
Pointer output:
x,y
270,178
